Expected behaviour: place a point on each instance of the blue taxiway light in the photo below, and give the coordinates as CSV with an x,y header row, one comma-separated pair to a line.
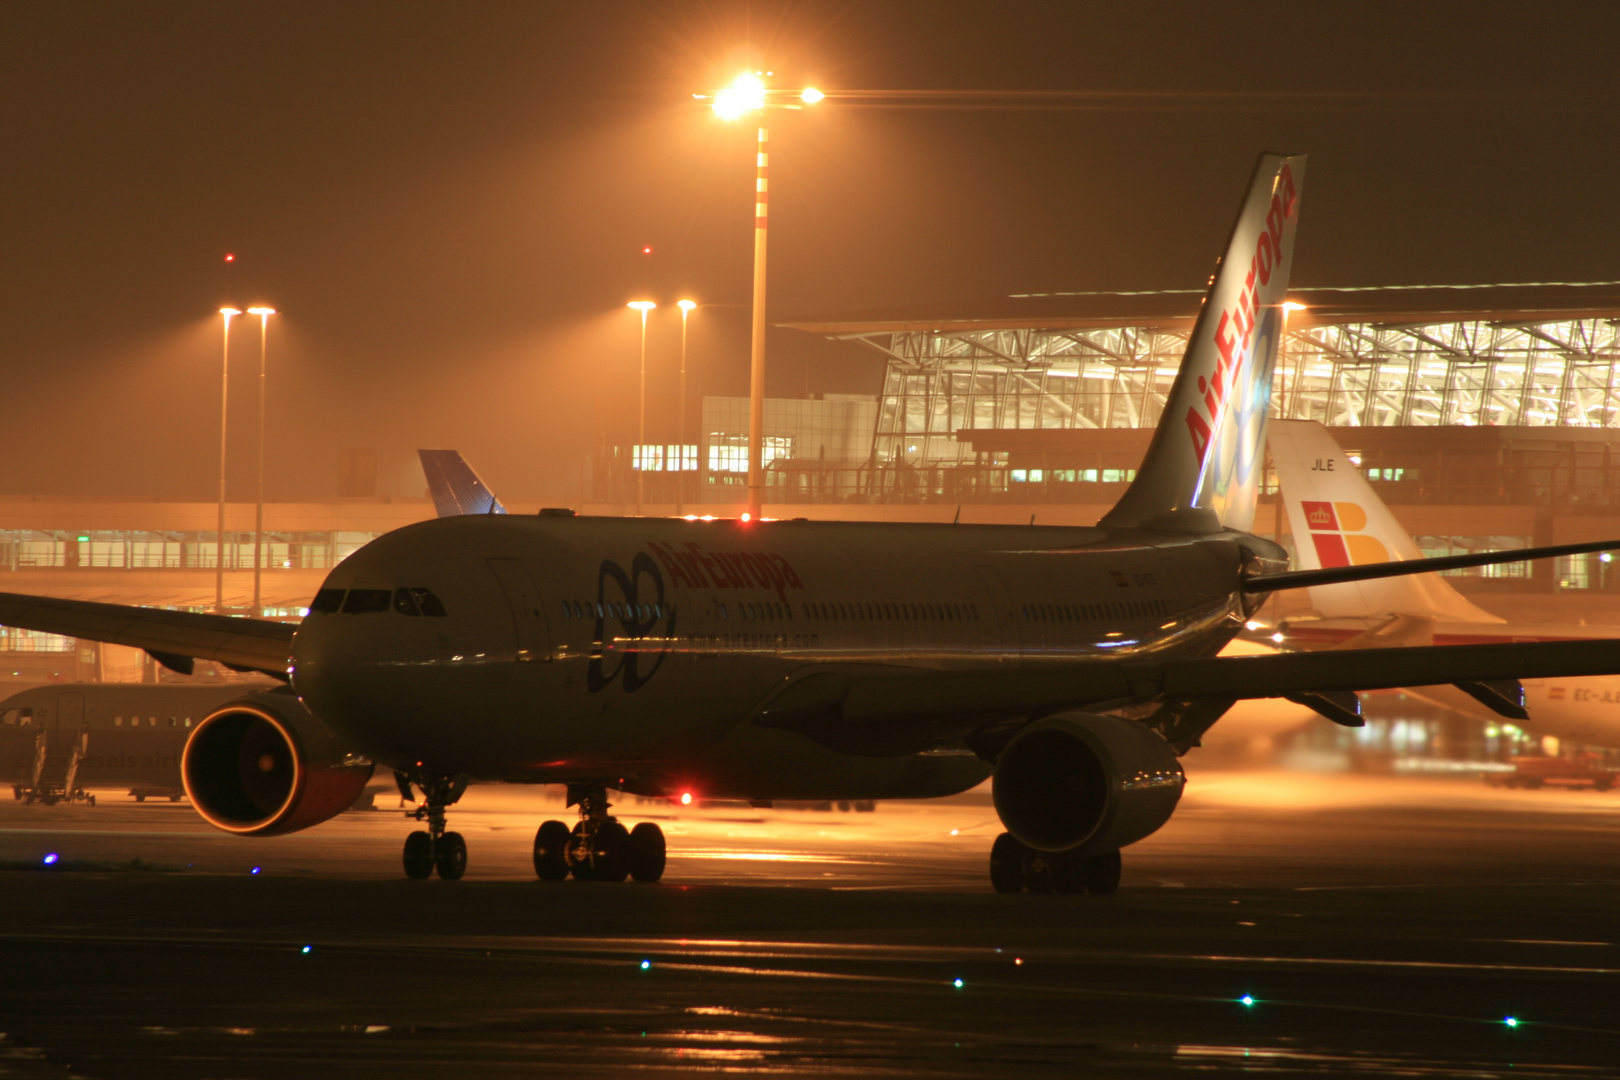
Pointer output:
x,y
646,964
304,950
1511,1021
255,870
50,860
1247,999
957,983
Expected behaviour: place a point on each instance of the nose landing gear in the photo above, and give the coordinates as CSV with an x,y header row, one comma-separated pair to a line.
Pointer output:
x,y
1015,867
433,849
598,848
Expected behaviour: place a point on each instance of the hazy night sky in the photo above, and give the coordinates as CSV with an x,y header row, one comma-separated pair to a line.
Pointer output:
x,y
449,201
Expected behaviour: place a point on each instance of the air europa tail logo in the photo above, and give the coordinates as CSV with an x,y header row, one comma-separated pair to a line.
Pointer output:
x,y
1337,536
1236,328
700,569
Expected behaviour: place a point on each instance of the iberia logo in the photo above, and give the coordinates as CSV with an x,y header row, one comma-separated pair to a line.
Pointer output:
x,y
1336,532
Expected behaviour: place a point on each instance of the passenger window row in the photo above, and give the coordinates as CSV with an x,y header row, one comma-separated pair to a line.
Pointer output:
x,y
151,721
614,609
1112,609
908,612
412,601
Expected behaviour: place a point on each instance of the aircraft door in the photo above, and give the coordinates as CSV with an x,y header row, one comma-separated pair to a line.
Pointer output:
x,y
533,634
1009,628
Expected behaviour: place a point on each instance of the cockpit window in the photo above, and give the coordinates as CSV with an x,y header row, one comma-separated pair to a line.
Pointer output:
x,y
404,604
429,604
327,601
365,601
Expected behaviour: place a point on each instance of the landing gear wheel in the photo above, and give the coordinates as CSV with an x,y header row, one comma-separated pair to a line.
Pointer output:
x,y
579,857
419,855
610,853
1007,864
551,851
1038,871
647,852
1100,873
450,856
141,797
1065,870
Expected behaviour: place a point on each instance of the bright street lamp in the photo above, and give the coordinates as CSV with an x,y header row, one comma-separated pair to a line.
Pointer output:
x,y
686,307
224,400
640,449
747,94
264,314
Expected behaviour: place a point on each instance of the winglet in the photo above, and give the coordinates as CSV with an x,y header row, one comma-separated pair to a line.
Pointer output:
x,y
1203,469
455,488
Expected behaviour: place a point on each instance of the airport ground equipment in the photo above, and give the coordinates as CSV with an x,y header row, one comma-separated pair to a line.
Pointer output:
x,y
1539,771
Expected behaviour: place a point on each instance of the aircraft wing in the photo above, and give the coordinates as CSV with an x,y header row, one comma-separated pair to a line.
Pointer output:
x,y
903,713
174,638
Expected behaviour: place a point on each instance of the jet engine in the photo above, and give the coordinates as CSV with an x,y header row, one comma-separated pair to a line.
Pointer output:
x,y
1085,784
262,766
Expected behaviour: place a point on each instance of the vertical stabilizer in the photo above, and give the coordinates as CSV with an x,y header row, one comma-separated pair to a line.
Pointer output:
x,y
1338,520
1203,469
455,488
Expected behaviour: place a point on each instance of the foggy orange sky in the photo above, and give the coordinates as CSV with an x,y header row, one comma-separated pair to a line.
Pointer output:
x,y
449,203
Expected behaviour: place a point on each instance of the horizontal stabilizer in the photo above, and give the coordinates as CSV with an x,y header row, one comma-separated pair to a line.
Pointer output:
x,y
1334,575
172,637
456,489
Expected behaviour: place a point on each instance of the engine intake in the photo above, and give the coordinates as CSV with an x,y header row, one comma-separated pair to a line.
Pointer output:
x,y
262,766
1085,783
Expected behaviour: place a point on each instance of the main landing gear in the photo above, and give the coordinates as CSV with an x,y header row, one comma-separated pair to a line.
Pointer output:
x,y
598,848
1015,867
433,849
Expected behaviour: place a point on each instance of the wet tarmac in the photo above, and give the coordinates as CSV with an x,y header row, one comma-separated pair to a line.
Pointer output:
x,y
1283,923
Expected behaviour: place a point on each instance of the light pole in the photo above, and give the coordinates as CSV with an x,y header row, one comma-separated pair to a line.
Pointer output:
x,y
640,448
686,307
746,95
224,400
264,314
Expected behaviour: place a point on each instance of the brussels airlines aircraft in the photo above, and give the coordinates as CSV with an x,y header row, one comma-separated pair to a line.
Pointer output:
x,y
1339,520
798,659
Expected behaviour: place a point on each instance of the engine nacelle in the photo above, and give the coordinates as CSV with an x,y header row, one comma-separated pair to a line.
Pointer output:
x,y
262,766
1085,783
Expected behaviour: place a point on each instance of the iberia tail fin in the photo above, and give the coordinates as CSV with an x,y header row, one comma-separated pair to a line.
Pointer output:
x,y
1203,469
1339,520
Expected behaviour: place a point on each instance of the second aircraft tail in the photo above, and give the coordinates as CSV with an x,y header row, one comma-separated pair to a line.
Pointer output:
x,y
1338,520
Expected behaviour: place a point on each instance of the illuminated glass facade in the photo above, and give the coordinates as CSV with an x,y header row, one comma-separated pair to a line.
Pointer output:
x,y
1475,372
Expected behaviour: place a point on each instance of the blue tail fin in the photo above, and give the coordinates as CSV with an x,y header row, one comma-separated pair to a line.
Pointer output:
x,y
1203,469
455,488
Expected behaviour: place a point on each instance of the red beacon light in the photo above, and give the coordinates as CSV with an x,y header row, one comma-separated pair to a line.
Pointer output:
x,y
686,798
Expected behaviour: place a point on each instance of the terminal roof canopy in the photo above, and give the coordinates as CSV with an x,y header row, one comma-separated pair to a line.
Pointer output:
x,y
1172,309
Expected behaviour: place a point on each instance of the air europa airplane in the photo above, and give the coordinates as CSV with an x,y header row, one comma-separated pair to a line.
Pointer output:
x,y
800,659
